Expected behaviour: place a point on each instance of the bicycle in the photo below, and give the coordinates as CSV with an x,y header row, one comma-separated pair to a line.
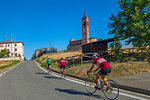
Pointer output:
x,y
111,91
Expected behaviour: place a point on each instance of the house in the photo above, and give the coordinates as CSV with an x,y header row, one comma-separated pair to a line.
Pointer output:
x,y
45,50
15,48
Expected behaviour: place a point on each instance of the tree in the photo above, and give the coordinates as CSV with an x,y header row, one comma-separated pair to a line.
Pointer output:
x,y
116,49
33,57
4,53
100,39
25,58
132,23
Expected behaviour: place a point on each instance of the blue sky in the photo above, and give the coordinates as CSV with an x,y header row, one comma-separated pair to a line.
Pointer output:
x,y
37,22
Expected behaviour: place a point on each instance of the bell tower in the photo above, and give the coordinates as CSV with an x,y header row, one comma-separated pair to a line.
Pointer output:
x,y
85,29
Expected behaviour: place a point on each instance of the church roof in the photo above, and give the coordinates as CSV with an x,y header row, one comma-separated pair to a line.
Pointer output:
x,y
85,14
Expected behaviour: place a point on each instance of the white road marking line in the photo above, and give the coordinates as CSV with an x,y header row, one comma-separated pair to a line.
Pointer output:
x,y
120,93
10,69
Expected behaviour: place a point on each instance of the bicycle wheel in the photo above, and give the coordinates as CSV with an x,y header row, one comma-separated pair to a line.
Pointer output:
x,y
112,90
90,84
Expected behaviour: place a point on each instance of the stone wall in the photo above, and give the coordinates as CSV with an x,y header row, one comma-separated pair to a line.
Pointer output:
x,y
6,59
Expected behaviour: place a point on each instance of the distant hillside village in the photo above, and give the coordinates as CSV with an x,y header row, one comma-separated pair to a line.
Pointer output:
x,y
86,44
11,50
42,51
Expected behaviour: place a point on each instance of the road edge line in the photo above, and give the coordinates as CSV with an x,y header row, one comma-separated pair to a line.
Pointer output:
x,y
10,69
124,94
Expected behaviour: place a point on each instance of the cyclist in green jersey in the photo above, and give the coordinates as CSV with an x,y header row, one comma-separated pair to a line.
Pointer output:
x,y
49,62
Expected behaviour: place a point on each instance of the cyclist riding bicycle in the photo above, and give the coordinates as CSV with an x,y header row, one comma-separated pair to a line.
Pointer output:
x,y
62,66
49,62
103,65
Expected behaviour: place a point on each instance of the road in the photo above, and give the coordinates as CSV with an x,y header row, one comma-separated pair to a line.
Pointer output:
x,y
28,82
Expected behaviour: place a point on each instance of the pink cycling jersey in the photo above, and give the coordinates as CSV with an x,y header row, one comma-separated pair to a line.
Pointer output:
x,y
101,62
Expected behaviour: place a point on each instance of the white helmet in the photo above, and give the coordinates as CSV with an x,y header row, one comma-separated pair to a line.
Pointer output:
x,y
95,55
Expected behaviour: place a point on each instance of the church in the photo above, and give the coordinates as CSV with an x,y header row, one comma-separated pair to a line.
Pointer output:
x,y
75,45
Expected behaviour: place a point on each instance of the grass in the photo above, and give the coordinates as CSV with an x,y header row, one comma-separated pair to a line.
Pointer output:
x,y
118,69
57,56
2,63
6,66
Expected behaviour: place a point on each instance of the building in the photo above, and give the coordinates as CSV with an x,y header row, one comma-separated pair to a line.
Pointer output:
x,y
15,48
75,45
45,51
99,46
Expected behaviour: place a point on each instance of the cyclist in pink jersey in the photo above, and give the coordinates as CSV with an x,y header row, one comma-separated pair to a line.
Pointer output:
x,y
62,66
103,65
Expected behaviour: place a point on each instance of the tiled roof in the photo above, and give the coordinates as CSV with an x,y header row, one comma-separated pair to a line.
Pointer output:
x,y
76,40
6,42
93,38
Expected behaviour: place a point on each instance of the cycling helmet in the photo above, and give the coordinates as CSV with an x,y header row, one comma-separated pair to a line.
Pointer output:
x,y
95,55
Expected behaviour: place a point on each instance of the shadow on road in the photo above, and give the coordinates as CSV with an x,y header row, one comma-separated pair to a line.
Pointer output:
x,y
52,77
41,73
75,92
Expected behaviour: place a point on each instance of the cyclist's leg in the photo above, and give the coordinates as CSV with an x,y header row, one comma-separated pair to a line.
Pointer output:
x,y
64,71
97,79
100,73
106,71
60,69
50,67
105,79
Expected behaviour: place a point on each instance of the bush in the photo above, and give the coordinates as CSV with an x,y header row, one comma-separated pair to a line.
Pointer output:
x,y
44,64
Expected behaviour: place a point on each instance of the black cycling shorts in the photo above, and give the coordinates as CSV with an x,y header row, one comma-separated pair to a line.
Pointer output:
x,y
62,66
49,65
105,71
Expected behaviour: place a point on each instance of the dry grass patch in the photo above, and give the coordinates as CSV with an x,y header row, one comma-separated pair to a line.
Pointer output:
x,y
57,56
118,69
3,63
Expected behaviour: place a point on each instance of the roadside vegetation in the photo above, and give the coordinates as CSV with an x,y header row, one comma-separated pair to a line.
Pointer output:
x,y
132,65
4,65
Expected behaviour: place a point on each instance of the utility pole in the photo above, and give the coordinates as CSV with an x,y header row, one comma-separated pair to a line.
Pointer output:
x,y
50,44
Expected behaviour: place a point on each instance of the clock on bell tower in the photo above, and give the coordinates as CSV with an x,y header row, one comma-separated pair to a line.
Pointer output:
x,y
85,29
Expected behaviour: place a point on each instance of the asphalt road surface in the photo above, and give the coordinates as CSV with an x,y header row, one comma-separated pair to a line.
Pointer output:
x,y
28,82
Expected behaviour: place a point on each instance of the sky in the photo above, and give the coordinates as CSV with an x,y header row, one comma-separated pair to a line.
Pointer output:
x,y
37,22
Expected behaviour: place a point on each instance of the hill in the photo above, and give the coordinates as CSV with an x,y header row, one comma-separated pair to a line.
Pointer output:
x,y
118,69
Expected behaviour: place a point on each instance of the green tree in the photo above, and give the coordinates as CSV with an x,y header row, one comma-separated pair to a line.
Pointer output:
x,y
116,49
33,57
25,59
100,39
132,23
4,53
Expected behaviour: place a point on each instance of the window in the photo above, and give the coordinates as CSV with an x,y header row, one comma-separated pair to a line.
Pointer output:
x,y
15,49
15,44
6,45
